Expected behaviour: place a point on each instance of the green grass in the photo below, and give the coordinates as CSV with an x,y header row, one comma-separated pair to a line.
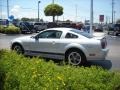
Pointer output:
x,y
21,73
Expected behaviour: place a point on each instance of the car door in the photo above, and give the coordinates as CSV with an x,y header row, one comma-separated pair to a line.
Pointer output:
x,y
46,42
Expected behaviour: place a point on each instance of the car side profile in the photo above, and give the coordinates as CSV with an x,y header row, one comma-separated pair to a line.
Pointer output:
x,y
72,45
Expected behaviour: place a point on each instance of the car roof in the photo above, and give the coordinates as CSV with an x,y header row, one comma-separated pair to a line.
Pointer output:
x,y
61,29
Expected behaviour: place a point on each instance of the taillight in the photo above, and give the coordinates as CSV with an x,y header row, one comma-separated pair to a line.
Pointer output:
x,y
103,43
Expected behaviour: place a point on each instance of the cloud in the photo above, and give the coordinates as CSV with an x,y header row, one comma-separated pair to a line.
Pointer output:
x,y
2,15
16,9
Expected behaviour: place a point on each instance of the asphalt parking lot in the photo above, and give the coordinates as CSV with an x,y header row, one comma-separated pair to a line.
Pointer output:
x,y
112,61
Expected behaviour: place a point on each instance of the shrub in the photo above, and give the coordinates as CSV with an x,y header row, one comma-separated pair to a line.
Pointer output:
x,y
11,30
1,29
21,73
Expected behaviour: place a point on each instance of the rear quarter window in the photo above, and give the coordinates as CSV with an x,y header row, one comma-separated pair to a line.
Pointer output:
x,y
70,35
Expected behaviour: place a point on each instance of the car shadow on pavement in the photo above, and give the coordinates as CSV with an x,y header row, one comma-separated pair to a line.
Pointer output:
x,y
106,64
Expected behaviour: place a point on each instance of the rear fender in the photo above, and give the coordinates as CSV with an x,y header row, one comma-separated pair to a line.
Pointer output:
x,y
78,46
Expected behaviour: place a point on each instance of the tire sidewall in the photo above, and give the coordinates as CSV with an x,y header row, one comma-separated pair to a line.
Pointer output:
x,y
20,48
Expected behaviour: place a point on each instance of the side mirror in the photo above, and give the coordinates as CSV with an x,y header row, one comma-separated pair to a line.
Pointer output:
x,y
35,37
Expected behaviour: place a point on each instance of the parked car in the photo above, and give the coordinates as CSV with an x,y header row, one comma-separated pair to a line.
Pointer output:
x,y
99,28
39,26
26,27
72,45
52,25
86,28
66,24
114,29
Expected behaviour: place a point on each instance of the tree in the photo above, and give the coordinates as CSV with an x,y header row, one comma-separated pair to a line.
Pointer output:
x,y
53,10
118,21
25,19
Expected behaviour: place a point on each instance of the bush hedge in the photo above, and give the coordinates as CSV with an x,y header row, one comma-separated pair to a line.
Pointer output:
x,y
21,73
10,29
1,29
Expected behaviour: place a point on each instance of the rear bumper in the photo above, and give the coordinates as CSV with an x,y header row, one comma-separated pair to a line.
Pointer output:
x,y
101,55
104,53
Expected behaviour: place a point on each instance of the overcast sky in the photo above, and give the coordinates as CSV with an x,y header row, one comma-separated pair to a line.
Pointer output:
x,y
75,10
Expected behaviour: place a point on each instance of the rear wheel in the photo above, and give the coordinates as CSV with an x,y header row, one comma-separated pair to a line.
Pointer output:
x,y
23,32
18,48
117,34
75,57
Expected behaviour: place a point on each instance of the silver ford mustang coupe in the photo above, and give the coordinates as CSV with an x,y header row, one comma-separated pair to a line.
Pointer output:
x,y
72,45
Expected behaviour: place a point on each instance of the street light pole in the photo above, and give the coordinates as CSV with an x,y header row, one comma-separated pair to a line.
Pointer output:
x,y
91,18
38,10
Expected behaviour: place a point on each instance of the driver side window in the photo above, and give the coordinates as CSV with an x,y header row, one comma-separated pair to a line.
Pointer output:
x,y
50,34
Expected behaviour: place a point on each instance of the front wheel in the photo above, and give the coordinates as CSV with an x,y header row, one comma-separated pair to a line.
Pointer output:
x,y
18,49
75,57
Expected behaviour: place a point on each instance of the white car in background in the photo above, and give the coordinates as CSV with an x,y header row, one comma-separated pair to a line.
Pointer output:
x,y
68,44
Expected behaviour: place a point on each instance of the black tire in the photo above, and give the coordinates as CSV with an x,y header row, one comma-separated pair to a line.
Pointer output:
x,y
18,48
75,57
117,34
23,32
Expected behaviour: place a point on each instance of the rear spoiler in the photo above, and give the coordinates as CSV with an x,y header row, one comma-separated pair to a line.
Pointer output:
x,y
99,36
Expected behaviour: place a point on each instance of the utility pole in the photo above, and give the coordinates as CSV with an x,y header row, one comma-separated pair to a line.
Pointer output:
x,y
91,18
106,20
53,1
113,11
7,8
76,13
63,18
38,9
1,8
53,16
114,17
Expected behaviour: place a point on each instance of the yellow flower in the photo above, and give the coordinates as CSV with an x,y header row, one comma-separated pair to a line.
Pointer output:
x,y
34,72
63,83
37,61
34,76
59,78
57,88
49,79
